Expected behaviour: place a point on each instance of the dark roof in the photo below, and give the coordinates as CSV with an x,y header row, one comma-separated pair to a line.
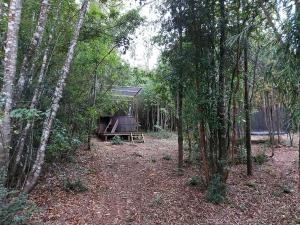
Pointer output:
x,y
126,91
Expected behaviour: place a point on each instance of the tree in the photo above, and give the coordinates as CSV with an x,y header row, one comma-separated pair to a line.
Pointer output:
x,y
10,61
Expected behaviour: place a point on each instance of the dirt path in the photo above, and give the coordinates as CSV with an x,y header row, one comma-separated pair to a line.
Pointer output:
x,y
136,184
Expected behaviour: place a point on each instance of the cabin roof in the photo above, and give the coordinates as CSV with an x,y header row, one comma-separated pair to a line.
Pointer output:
x,y
126,91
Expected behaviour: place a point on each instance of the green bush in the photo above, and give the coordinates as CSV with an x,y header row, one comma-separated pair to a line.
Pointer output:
x,y
74,186
260,158
62,145
216,192
116,140
14,207
194,181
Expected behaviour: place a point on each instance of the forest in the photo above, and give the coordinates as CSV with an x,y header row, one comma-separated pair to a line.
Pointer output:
x,y
208,134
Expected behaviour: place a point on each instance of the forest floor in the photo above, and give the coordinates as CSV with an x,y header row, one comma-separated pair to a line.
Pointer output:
x,y
138,184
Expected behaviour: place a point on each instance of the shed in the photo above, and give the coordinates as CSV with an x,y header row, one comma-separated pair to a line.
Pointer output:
x,y
121,124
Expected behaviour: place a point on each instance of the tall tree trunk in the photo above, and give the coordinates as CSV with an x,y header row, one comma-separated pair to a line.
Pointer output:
x,y
157,117
278,123
221,98
10,62
37,166
247,112
30,53
179,127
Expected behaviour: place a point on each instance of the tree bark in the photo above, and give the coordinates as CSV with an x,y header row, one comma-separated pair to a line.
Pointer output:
x,y
36,169
247,112
180,128
34,43
221,98
10,62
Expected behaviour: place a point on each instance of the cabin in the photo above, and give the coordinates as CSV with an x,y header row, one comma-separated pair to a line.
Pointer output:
x,y
123,124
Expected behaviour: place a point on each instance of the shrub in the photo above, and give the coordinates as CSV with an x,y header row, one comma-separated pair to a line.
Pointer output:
x,y
194,181
14,207
216,192
62,145
116,140
286,189
241,156
260,158
157,200
167,157
74,186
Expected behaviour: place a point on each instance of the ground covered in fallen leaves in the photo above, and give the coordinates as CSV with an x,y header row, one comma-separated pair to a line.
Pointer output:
x,y
138,184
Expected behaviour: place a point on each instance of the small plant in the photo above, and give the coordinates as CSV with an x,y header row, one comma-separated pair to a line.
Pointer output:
x,y
251,183
194,181
74,186
157,200
260,158
153,160
117,140
286,189
216,192
241,157
167,157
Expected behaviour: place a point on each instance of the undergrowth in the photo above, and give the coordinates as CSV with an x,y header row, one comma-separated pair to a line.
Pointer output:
x,y
15,209
161,133
116,140
216,192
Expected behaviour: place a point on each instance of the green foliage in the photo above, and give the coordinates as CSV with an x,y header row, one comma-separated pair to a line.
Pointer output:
x,y
261,158
216,192
75,186
194,181
25,114
14,207
241,157
62,145
116,140
157,200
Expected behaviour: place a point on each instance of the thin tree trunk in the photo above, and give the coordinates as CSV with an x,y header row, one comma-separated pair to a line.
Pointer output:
x,y
179,128
278,123
36,169
35,42
157,117
247,112
221,98
10,62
